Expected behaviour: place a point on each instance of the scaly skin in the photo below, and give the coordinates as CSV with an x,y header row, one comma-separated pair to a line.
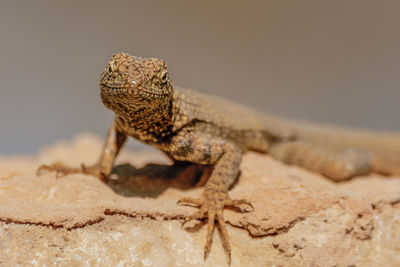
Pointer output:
x,y
203,129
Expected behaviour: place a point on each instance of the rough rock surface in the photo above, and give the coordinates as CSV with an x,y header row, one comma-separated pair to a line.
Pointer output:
x,y
300,218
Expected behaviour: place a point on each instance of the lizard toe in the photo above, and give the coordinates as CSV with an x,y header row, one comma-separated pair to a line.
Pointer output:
x,y
187,201
62,170
242,204
212,209
200,214
58,167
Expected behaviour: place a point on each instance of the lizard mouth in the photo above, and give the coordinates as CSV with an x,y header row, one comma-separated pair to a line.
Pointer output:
x,y
129,90
116,89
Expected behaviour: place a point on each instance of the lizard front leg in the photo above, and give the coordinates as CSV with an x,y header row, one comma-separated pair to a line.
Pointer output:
x,y
226,157
114,141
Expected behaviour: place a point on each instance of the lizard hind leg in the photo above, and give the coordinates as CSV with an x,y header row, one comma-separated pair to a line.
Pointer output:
x,y
386,163
336,165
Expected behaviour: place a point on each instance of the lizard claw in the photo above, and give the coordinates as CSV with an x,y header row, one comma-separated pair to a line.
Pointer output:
x,y
211,207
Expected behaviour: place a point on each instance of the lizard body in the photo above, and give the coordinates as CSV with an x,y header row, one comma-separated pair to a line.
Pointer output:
x,y
191,126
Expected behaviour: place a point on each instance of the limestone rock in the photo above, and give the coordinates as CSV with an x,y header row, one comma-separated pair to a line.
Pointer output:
x,y
300,218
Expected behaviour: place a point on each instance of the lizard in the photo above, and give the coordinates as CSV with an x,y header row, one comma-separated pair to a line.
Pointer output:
x,y
191,126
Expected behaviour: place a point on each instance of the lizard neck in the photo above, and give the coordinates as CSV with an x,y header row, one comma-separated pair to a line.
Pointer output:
x,y
146,121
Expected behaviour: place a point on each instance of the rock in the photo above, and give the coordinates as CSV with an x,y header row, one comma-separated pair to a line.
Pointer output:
x,y
300,218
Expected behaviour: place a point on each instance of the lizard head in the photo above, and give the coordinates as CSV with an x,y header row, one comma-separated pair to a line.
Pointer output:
x,y
129,82
147,77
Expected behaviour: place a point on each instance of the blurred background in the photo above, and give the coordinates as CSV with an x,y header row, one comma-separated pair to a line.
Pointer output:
x,y
324,61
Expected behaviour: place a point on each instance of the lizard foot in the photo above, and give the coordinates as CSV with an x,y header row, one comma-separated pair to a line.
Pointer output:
x,y
211,206
62,170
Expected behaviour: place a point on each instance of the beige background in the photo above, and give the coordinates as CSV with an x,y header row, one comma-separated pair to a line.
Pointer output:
x,y
329,61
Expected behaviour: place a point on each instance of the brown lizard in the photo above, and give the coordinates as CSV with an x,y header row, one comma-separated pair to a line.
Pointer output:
x,y
191,126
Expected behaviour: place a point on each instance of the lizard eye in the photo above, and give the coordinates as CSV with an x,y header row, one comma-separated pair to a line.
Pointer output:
x,y
164,78
109,70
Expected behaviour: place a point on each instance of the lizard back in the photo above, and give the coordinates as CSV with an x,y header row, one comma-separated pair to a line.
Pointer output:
x,y
192,105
